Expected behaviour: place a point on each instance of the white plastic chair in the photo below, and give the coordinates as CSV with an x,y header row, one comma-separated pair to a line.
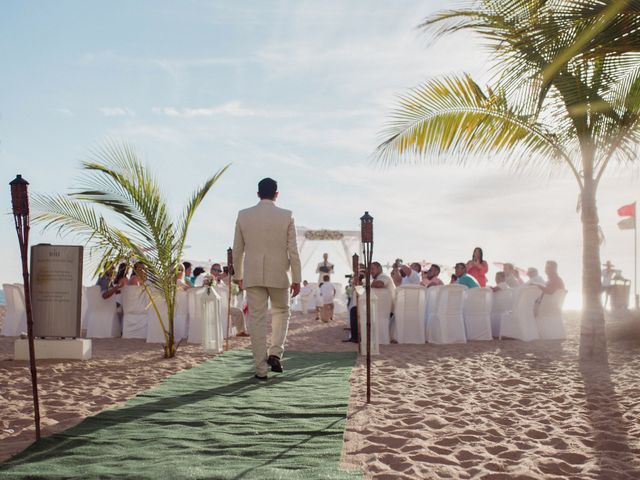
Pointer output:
x,y
502,302
135,305
446,324
362,322
549,317
410,313
15,319
477,314
383,313
519,323
102,316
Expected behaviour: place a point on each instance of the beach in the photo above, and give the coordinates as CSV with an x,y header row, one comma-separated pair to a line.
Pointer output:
x,y
491,410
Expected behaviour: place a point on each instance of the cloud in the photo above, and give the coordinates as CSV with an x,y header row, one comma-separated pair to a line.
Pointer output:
x,y
117,112
65,112
233,108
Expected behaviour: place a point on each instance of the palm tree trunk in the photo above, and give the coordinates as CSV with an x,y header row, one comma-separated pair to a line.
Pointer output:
x,y
593,341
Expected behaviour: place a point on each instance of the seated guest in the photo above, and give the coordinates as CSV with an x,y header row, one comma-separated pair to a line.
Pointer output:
x,y
409,275
454,279
431,275
139,274
464,278
534,277
500,282
511,275
554,282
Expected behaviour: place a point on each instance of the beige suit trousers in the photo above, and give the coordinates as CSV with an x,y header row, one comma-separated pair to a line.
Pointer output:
x,y
257,298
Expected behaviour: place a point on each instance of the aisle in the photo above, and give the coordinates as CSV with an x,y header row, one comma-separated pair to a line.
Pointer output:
x,y
213,421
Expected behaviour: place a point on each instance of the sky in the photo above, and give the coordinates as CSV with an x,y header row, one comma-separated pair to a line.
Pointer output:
x,y
295,90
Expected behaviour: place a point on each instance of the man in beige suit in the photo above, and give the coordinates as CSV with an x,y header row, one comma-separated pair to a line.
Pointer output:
x,y
264,250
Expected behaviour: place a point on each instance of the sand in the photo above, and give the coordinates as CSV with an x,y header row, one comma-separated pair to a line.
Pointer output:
x,y
489,410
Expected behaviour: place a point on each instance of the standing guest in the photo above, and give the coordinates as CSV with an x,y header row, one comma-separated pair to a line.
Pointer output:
x,y
353,313
554,282
534,277
139,274
510,275
216,273
380,280
396,276
501,284
306,296
325,267
608,273
327,293
188,272
431,275
463,277
265,249
477,267
317,296
181,279
111,285
198,276
409,275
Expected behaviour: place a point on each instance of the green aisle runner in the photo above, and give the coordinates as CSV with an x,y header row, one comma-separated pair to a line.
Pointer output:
x,y
213,421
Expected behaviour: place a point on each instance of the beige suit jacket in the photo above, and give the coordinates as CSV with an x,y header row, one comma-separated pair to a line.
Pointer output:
x,y
265,247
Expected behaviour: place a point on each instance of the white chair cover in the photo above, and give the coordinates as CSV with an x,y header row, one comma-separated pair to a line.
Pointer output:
x,y
15,318
432,298
446,324
549,318
362,322
102,315
181,315
519,323
223,293
477,314
155,333
135,305
383,313
197,298
212,333
410,313
502,302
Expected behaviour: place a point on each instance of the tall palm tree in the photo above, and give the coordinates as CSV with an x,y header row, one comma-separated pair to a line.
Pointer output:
x,y
566,90
117,181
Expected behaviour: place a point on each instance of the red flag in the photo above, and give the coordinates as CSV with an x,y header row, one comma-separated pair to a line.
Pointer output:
x,y
628,210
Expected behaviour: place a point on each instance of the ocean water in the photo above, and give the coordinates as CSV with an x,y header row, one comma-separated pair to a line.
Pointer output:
x,y
1,297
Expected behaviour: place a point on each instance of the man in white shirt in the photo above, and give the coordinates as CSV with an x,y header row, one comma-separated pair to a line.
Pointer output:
x,y
380,280
409,274
325,267
534,277
328,293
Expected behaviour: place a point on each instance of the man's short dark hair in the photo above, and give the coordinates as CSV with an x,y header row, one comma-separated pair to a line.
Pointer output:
x,y
436,267
461,265
267,188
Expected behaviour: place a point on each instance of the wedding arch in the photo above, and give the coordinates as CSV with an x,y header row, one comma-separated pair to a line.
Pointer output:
x,y
349,240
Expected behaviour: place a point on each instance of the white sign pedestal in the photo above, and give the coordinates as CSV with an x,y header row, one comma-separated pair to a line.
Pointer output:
x,y
73,349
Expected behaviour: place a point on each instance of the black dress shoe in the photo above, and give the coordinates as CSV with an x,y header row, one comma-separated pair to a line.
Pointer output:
x,y
260,378
274,361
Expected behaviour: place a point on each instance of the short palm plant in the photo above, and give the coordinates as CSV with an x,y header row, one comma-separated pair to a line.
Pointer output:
x,y
120,211
566,91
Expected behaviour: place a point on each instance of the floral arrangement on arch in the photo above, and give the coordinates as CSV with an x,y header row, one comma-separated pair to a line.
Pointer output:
x,y
323,235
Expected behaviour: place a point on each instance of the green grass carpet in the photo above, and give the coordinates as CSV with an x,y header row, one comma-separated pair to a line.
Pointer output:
x,y
213,421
